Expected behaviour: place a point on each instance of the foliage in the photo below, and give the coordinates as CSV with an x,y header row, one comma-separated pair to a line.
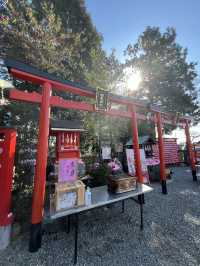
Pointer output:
x,y
146,128
38,37
100,173
75,21
167,78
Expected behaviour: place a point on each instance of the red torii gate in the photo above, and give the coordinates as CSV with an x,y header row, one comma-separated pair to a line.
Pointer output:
x,y
46,101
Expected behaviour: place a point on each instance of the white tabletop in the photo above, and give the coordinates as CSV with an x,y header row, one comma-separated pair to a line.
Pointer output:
x,y
101,197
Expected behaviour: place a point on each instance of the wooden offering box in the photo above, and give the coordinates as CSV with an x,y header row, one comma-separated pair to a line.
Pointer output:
x,y
120,184
68,195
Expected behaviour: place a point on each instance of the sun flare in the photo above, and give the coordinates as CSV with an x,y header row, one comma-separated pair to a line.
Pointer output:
x,y
133,79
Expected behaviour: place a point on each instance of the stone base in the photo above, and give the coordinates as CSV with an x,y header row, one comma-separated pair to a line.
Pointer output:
x,y
5,233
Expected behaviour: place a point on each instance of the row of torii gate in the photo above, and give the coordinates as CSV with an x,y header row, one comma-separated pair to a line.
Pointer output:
x,y
47,101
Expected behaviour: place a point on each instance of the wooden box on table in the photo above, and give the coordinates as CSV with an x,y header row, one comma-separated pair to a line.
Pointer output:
x,y
120,184
67,195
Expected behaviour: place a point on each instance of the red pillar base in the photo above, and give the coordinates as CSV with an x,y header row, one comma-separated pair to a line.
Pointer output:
x,y
35,237
6,220
164,187
194,175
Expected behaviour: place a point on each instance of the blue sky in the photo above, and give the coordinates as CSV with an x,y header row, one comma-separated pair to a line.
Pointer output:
x,y
121,21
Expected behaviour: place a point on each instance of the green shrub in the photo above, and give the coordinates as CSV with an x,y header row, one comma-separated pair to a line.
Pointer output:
x,y
100,172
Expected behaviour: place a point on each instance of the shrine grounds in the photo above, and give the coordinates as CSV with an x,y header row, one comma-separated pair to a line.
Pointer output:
x,y
171,233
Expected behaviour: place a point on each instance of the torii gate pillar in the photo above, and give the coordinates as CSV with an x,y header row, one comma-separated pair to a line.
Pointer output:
x,y
161,153
190,151
136,149
40,173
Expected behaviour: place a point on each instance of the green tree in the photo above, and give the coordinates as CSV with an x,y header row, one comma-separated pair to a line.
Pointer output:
x,y
75,21
168,78
39,37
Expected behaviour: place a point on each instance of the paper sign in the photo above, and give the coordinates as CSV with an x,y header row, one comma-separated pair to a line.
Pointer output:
x,y
67,200
143,160
152,161
131,163
67,170
106,153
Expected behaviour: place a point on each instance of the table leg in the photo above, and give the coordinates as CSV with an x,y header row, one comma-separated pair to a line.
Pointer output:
x,y
76,239
141,198
141,202
141,216
123,204
68,224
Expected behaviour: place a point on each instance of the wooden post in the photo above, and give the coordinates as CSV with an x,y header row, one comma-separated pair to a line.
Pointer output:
x,y
190,151
138,166
161,153
40,173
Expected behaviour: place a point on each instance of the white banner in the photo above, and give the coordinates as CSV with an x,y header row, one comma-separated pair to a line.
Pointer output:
x,y
131,163
106,152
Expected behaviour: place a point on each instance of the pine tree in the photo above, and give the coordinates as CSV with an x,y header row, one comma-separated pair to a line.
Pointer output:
x,y
168,77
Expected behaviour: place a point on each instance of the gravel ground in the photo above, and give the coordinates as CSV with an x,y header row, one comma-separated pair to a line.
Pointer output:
x,y
171,233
